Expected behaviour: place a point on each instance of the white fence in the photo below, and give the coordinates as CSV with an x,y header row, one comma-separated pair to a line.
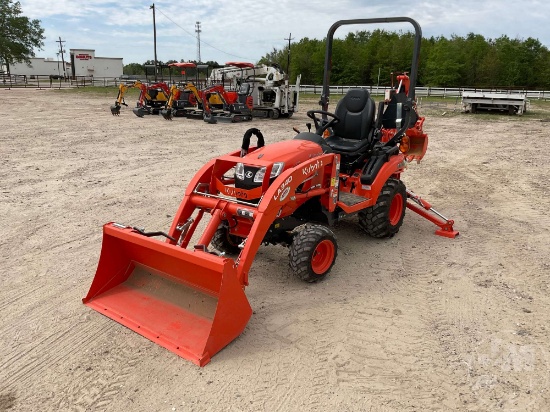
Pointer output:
x,y
22,81
428,91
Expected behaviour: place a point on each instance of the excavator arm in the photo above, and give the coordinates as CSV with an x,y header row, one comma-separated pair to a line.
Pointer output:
x,y
122,89
174,95
193,89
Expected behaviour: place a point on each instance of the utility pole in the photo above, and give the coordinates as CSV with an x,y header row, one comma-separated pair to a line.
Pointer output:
x,y
288,56
155,38
198,31
62,52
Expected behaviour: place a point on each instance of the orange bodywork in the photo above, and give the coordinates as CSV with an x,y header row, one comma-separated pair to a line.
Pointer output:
x,y
186,299
414,143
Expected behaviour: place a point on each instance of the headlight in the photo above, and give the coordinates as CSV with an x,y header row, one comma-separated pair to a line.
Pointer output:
x,y
275,171
239,171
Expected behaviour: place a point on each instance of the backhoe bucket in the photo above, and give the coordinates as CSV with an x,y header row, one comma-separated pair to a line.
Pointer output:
x,y
167,114
139,111
115,110
190,302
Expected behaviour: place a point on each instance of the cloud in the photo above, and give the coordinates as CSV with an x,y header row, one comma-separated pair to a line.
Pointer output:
x,y
248,29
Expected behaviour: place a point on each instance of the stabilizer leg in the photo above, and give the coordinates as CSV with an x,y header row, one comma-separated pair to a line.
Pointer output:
x,y
424,209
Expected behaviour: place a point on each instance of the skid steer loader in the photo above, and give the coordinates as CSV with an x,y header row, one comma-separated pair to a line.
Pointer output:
x,y
186,290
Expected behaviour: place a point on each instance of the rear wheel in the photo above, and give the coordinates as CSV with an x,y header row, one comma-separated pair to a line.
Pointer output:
x,y
313,252
226,242
386,217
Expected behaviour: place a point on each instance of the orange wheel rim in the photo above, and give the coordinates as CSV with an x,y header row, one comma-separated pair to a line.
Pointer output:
x,y
396,209
322,258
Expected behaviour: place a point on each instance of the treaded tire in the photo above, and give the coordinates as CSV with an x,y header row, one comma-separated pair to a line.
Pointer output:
x,y
225,242
386,217
313,252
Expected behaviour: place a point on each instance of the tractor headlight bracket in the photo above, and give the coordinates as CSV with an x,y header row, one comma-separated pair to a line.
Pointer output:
x,y
275,171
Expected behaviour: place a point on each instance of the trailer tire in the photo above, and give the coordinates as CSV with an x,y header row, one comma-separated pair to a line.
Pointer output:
x,y
386,217
313,252
226,242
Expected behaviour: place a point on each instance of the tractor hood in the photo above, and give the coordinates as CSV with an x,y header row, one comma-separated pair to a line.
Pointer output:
x,y
290,152
283,155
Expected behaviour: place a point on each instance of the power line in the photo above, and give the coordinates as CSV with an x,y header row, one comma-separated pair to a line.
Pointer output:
x,y
202,41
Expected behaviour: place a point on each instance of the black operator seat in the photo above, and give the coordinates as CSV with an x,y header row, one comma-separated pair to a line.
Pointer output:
x,y
355,130
243,93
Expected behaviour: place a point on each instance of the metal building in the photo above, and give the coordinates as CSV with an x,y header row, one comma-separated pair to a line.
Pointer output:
x,y
81,63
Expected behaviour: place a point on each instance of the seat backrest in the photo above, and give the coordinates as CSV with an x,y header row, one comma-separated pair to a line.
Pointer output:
x,y
243,93
394,115
244,90
356,113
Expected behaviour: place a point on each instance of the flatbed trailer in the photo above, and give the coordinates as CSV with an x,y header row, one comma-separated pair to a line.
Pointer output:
x,y
504,102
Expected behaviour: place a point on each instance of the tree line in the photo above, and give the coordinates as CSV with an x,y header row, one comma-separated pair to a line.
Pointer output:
x,y
368,58
361,58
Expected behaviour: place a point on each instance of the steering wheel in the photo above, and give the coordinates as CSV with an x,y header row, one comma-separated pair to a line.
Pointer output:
x,y
320,125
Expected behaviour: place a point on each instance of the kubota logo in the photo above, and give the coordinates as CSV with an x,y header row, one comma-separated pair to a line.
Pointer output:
x,y
283,190
312,167
83,56
231,191
285,193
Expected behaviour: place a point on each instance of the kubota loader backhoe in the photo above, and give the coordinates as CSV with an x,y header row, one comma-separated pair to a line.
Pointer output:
x,y
186,292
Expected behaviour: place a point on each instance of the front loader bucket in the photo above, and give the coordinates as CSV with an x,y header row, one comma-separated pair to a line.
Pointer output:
x,y
190,302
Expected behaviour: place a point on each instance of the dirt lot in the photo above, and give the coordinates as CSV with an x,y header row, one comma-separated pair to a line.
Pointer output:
x,y
412,323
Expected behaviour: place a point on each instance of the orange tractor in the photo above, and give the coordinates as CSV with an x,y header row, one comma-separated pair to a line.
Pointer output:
x,y
186,292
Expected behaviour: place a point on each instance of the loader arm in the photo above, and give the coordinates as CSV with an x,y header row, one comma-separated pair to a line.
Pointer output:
x,y
207,193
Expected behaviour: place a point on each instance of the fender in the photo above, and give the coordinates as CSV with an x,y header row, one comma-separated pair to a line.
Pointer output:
x,y
394,166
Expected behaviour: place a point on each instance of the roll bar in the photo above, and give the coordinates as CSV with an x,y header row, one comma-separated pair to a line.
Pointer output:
x,y
325,96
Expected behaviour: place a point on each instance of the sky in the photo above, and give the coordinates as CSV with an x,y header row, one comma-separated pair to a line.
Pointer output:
x,y
246,30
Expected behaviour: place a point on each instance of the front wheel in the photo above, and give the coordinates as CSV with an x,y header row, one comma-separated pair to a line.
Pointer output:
x,y
313,252
386,217
225,241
